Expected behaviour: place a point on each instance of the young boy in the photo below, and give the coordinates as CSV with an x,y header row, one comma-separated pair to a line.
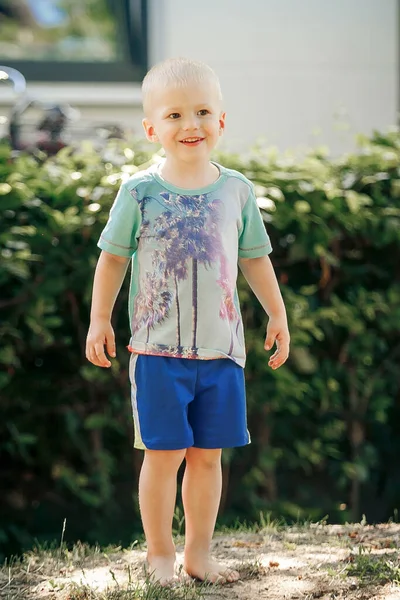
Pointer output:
x,y
185,225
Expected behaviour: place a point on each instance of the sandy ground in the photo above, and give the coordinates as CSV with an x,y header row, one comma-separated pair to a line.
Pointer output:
x,y
289,564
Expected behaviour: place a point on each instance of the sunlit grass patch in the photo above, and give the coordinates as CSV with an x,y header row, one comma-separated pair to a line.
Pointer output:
x,y
88,573
51,568
253,569
147,590
372,568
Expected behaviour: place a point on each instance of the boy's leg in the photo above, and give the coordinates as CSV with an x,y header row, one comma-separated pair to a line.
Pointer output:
x,y
201,494
157,497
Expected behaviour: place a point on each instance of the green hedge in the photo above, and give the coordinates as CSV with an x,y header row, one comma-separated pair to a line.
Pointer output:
x,y
325,427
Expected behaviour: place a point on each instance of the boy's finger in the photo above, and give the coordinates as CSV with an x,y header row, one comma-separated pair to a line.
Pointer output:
x,y
89,352
111,345
278,361
270,339
92,357
103,360
278,358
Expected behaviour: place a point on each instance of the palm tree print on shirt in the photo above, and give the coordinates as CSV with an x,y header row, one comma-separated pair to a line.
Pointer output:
x,y
228,308
189,229
178,271
152,304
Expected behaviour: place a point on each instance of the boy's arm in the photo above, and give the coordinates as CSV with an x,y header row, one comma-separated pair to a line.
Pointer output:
x,y
261,277
108,278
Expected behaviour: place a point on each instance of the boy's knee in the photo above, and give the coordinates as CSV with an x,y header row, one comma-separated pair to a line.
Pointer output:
x,y
165,459
203,458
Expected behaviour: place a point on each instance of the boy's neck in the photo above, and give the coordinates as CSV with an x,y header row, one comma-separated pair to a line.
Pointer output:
x,y
189,175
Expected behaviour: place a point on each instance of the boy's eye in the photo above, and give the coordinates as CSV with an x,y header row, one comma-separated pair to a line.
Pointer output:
x,y
174,116
203,112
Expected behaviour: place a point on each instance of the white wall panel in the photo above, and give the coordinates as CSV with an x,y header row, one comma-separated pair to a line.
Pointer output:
x,y
290,67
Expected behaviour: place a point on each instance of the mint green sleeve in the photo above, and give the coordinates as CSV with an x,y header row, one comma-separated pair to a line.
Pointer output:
x,y
253,238
121,233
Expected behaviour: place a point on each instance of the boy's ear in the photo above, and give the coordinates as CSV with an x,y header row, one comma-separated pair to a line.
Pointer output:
x,y
222,123
149,130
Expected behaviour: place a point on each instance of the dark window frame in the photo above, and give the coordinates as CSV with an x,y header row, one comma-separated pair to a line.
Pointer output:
x,y
132,26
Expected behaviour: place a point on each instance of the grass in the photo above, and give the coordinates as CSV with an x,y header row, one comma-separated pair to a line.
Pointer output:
x,y
84,572
51,567
265,522
145,591
19,579
252,570
374,569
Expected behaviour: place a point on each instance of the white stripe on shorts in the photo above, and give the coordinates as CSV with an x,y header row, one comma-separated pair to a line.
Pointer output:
x,y
138,437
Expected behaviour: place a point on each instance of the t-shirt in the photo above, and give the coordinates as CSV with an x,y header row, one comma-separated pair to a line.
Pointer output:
x,y
185,246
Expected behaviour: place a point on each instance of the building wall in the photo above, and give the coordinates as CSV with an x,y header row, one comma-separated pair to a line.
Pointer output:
x,y
291,67
293,72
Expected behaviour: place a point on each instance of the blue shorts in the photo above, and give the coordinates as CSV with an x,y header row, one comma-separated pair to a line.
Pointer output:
x,y
179,402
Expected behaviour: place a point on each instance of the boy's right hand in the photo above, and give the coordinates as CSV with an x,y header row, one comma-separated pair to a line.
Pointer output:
x,y
100,335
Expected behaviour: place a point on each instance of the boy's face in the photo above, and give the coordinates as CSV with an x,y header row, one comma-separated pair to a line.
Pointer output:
x,y
186,121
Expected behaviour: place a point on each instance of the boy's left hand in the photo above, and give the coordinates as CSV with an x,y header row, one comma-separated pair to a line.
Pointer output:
x,y
277,332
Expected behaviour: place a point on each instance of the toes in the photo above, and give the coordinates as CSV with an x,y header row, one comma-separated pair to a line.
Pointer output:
x,y
215,579
170,583
225,576
217,574
160,576
232,576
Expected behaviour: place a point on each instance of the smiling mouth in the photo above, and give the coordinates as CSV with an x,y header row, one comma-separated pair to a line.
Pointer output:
x,y
191,141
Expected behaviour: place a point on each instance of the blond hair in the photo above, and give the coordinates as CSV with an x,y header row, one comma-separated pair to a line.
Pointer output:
x,y
178,72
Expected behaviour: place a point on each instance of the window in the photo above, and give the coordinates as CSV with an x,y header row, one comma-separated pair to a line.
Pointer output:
x,y
74,40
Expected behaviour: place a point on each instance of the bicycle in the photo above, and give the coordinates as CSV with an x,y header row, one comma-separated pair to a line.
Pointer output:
x,y
50,129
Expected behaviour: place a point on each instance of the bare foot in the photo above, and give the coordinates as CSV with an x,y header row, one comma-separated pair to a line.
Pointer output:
x,y
211,571
162,570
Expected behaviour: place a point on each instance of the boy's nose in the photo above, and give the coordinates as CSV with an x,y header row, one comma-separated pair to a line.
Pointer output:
x,y
191,123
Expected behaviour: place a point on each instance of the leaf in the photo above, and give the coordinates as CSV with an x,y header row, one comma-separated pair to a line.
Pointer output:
x,y
96,421
5,188
19,269
302,206
357,201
